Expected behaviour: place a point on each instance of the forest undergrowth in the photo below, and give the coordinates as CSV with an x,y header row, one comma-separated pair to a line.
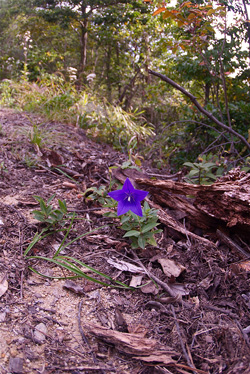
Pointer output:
x,y
181,144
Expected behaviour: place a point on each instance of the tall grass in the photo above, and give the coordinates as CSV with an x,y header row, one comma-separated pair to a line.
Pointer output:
x,y
58,100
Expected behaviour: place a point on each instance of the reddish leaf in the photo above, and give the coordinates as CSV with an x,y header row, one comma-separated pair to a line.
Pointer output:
x,y
159,11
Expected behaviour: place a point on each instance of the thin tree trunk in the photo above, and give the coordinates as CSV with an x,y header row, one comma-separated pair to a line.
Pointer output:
x,y
207,92
109,86
248,26
83,49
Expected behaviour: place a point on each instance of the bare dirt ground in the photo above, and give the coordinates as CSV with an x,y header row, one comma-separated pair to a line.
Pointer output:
x,y
53,326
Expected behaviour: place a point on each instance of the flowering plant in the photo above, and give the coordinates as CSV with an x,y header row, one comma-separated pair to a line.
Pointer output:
x,y
128,199
139,223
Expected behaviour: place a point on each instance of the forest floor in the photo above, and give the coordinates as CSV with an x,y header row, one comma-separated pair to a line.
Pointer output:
x,y
59,326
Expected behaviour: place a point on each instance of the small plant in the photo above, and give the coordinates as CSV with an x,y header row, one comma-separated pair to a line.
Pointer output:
x,y
96,194
35,136
201,172
52,217
3,169
129,164
141,230
71,267
100,195
29,160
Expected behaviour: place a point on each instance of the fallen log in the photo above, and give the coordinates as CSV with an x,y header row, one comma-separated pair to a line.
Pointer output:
x,y
224,204
227,200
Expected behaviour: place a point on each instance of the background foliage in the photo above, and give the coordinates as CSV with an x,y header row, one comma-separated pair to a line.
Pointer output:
x,y
86,62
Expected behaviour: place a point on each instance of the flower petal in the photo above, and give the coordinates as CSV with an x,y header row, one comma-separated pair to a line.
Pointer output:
x,y
117,195
128,187
123,207
139,195
135,207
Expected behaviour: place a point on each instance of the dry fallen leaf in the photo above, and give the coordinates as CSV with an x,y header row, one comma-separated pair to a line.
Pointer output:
x,y
179,289
241,266
125,266
150,287
70,185
136,280
74,287
3,284
171,268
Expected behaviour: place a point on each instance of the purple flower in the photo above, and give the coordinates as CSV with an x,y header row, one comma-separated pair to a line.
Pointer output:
x,y
128,199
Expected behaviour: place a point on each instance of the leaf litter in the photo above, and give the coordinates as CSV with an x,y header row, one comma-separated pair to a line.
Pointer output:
x,y
189,312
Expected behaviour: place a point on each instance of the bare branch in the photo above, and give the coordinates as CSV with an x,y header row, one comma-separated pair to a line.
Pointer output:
x,y
199,107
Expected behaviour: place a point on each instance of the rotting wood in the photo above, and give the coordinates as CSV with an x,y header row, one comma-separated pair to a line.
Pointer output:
x,y
133,344
226,200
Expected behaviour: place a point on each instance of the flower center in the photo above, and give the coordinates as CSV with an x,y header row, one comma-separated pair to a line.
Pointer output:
x,y
129,197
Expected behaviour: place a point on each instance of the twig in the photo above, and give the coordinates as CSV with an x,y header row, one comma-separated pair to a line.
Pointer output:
x,y
87,368
84,338
21,251
244,332
232,245
152,276
181,341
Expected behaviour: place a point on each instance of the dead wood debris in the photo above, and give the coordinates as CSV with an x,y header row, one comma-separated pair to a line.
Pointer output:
x,y
225,200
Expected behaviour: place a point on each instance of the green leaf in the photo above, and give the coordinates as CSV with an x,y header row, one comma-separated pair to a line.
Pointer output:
x,y
43,206
210,164
126,226
62,205
50,199
38,215
152,241
190,164
141,242
149,226
193,172
132,233
146,206
124,219
212,176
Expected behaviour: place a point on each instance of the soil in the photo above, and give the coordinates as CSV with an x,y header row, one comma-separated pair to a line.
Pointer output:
x,y
50,325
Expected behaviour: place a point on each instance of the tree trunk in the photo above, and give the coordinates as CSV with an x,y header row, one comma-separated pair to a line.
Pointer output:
x,y
247,26
207,92
109,86
83,50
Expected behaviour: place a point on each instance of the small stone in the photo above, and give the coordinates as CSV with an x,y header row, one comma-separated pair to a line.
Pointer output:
x,y
16,365
3,316
40,333
13,351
